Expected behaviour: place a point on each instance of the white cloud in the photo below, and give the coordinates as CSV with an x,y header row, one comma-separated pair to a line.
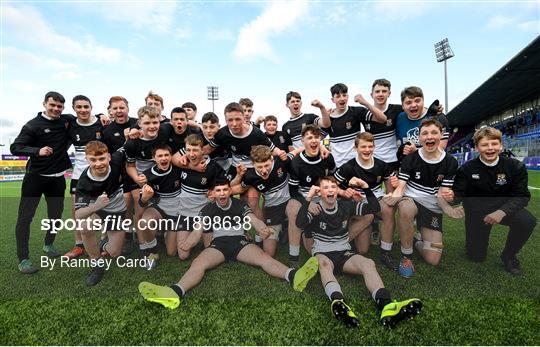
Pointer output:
x,y
338,15
153,16
397,10
253,40
220,35
182,33
15,55
500,21
503,22
25,86
27,24
65,75
533,25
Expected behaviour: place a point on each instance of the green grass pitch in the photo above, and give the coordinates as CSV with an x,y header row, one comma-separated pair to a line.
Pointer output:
x,y
464,303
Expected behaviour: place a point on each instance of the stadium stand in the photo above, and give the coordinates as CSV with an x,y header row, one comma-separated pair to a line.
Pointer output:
x,y
509,101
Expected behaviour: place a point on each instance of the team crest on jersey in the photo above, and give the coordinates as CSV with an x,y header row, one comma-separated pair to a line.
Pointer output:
x,y
379,178
344,224
98,135
203,181
117,134
501,179
348,125
281,139
389,122
412,135
233,148
46,131
368,126
435,222
440,178
475,176
177,183
243,242
279,172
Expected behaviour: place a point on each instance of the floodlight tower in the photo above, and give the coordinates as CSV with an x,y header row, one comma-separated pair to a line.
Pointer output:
x,y
443,53
213,94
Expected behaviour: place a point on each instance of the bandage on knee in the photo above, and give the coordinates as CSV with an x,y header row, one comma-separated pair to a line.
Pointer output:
x,y
433,246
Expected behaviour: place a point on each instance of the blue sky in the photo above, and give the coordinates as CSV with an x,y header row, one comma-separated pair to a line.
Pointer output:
x,y
259,50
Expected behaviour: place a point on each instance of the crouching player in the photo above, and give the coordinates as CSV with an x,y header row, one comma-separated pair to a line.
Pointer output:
x,y
424,176
228,219
160,197
269,176
99,195
374,172
327,220
494,190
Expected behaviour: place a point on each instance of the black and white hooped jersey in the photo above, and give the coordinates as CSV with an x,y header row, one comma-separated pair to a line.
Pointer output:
x,y
343,131
194,188
166,186
177,142
281,140
80,135
139,151
226,221
276,188
424,177
374,175
329,227
385,134
240,147
89,188
306,171
220,155
113,134
293,127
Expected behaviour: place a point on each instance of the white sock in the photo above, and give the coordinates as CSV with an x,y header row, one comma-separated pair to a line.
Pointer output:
x,y
258,238
387,246
407,251
294,250
287,274
331,288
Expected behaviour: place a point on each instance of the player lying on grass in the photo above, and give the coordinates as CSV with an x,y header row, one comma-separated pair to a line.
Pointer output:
x,y
228,219
494,190
374,172
99,195
425,180
327,221
269,176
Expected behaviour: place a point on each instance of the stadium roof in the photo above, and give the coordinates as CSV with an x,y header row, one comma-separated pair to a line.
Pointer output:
x,y
516,82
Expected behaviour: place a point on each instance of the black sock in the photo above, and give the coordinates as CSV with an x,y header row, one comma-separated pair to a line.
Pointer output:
x,y
291,276
178,290
406,255
382,298
294,257
336,296
79,244
128,236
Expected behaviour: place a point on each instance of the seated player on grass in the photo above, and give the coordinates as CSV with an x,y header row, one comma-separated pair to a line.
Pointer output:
x,y
160,197
425,177
99,195
374,172
494,190
327,220
228,219
305,170
194,191
269,176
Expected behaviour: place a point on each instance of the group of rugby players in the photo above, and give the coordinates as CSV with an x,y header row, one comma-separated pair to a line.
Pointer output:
x,y
331,202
